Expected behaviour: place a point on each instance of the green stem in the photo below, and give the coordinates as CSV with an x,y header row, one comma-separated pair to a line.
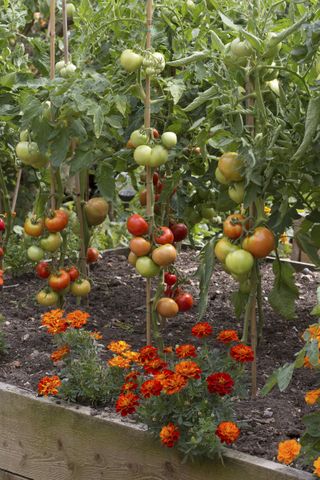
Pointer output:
x,y
259,303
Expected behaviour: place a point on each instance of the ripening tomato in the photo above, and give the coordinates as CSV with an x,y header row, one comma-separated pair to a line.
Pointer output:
x,y
170,278
43,270
137,225
180,231
74,273
167,307
34,226
146,267
184,301
155,178
236,192
223,247
2,225
239,262
233,226
96,210
140,246
168,292
51,243
130,144
165,237
220,177
81,288
92,255
164,255
159,187
260,243
1,252
59,281
155,133
35,253
230,165
47,298
56,221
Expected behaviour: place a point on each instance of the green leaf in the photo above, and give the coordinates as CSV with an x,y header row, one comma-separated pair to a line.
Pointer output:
x,y
204,273
98,121
202,98
195,57
176,87
121,104
312,122
312,422
114,121
254,41
8,80
106,181
284,292
59,148
228,22
284,376
239,301
306,244
270,384
217,43
82,159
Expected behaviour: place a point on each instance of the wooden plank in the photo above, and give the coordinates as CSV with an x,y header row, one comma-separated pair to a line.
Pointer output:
x,y
10,476
42,440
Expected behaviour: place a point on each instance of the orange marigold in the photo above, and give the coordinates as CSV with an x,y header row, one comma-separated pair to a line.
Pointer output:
x,y
312,396
132,356
118,347
54,321
119,362
316,465
49,386
201,329
127,403
188,369
173,383
127,387
242,353
186,351
77,319
288,451
314,331
96,335
228,432
132,376
148,353
154,366
163,375
168,349
308,364
151,388
228,336
60,353
169,435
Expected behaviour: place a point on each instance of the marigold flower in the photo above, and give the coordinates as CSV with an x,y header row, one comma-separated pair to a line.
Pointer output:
x,y
169,435
188,369
168,349
312,396
129,386
228,336
119,362
49,386
77,319
186,351
118,347
60,353
54,321
242,353
201,329
267,210
173,383
96,335
154,366
132,356
314,331
228,432
127,403
148,353
316,465
288,451
151,388
132,376
220,383
163,375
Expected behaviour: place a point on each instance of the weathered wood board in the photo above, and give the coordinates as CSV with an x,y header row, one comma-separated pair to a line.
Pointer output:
x,y
40,440
10,476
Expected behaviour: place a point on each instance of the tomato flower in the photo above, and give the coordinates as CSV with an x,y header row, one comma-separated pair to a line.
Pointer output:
x,y
169,435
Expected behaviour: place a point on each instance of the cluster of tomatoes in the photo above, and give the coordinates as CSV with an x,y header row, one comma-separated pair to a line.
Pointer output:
x,y
228,172
148,151
152,251
152,63
29,153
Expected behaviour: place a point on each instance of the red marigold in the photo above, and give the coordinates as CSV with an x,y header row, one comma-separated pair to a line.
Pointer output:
x,y
127,403
154,366
151,388
201,329
169,435
77,319
220,383
49,386
173,383
242,353
228,336
132,376
60,353
129,386
148,353
185,351
188,369
228,432
163,375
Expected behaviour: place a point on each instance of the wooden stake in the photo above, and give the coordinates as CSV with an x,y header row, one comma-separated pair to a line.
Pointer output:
x,y
52,27
16,191
149,209
65,31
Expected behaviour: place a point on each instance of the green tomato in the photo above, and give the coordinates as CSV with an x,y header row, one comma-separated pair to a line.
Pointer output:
x,y
130,60
240,49
190,4
28,152
159,156
138,138
41,162
274,85
60,65
71,10
68,71
147,267
47,298
142,155
51,243
236,192
220,177
194,216
169,139
223,247
239,262
81,288
35,253
207,212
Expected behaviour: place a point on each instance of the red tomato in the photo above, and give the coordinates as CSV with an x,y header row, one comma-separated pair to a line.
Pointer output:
x,y
137,225
2,225
165,237
73,273
159,187
184,301
1,252
260,243
170,278
43,270
180,231
92,255
168,292
59,281
140,246
156,134
57,221
155,178
232,226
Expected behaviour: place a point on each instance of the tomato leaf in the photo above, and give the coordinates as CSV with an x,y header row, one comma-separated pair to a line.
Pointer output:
x,y
217,44
176,87
284,292
307,245
312,122
254,41
98,121
82,159
270,384
105,180
59,147
204,272
195,57
228,22
202,98
239,301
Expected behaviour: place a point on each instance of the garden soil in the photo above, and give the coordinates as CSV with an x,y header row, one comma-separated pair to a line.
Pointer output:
x,y
117,310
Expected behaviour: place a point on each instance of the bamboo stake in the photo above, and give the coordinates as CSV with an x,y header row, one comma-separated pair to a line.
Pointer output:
x,y
147,124
52,27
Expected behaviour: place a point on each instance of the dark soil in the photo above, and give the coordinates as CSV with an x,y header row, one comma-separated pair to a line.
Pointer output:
x,y
117,310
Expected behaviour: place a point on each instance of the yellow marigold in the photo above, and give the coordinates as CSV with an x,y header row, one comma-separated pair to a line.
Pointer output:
x,y
77,319
288,451
119,362
118,347
60,353
316,465
132,356
312,396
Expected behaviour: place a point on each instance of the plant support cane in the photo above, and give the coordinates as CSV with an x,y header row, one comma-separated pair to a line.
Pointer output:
x,y
52,28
